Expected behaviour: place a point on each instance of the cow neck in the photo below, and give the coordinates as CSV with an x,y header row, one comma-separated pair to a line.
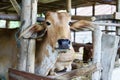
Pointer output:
x,y
47,55
41,47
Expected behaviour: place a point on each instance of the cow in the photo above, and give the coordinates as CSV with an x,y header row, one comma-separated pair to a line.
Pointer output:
x,y
56,42
8,51
87,52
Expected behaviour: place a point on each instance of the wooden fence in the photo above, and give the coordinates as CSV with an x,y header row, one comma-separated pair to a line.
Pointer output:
x,y
22,75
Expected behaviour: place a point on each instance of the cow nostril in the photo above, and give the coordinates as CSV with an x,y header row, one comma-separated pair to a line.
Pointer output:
x,y
60,42
68,42
64,43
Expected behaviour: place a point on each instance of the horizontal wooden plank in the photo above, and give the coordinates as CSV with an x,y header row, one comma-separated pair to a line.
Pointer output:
x,y
17,75
108,31
97,17
15,17
107,24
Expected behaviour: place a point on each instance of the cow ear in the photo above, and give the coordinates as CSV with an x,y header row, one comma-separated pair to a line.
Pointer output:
x,y
82,25
29,32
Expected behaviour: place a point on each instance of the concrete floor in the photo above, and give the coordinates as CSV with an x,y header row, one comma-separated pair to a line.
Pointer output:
x,y
116,73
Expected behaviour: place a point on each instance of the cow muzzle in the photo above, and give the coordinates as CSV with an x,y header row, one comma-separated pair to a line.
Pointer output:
x,y
64,44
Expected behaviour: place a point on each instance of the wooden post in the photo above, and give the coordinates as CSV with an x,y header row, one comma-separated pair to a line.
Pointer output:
x,y
93,14
16,6
7,23
74,33
21,75
93,10
31,49
109,51
118,28
97,52
69,6
27,56
118,10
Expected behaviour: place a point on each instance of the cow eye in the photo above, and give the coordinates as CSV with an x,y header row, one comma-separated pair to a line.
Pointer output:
x,y
70,23
48,23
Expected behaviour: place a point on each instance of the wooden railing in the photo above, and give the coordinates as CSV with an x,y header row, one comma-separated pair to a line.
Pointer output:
x,y
21,75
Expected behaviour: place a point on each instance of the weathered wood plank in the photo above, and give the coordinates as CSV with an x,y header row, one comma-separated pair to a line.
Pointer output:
x,y
118,10
109,51
21,75
31,48
69,6
15,17
16,6
77,72
9,17
107,24
27,56
89,18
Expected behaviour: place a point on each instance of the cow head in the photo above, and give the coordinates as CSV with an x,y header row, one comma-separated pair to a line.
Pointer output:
x,y
57,30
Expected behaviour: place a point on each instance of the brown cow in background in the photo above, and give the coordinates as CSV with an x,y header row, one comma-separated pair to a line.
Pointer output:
x,y
88,52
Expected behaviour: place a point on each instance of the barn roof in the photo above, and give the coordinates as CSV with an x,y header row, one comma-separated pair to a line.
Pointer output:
x,y
48,5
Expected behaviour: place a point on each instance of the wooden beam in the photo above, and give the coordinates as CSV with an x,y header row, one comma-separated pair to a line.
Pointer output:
x,y
93,14
8,11
74,33
81,18
69,6
118,10
15,17
5,7
9,17
89,18
16,6
107,31
20,75
51,5
107,24
47,1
